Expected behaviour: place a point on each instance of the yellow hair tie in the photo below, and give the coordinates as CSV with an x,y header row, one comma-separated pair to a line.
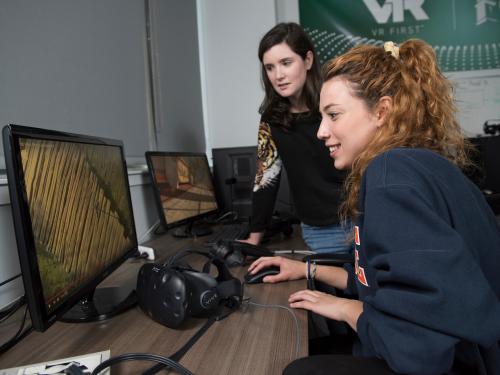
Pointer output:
x,y
392,48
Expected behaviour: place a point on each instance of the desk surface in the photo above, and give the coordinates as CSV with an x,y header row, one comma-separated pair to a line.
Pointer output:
x,y
253,340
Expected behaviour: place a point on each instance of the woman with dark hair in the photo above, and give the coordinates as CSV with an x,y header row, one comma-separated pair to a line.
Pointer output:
x,y
287,139
427,245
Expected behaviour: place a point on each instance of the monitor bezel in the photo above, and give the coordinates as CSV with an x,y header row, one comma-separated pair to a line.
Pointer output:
x,y
41,317
161,214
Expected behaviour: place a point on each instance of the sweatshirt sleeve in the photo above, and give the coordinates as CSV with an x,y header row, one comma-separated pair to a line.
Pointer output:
x,y
267,179
431,291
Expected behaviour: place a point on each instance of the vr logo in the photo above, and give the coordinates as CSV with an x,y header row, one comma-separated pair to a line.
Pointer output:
x,y
397,9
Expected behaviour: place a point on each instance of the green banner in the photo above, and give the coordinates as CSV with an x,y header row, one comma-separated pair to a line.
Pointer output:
x,y
464,33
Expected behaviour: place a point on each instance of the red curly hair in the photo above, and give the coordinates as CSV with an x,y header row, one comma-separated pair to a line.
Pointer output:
x,y
423,110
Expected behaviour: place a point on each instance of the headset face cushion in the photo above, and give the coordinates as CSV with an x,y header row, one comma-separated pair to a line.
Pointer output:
x,y
171,293
162,294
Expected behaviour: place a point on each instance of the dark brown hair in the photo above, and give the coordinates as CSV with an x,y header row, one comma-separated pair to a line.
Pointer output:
x,y
274,108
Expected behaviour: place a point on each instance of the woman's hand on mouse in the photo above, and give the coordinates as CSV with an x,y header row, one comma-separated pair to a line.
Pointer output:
x,y
289,269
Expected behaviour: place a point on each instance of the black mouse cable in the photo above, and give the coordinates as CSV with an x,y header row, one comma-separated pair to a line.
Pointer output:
x,y
297,323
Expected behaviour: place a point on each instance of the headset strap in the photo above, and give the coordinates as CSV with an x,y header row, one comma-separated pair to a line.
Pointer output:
x,y
227,285
175,258
231,288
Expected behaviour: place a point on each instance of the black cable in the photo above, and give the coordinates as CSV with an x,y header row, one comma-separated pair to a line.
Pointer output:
x,y
142,357
9,280
8,312
183,350
20,334
159,230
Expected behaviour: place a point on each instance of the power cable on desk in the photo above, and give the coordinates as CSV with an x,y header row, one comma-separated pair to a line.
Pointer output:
x,y
20,334
9,311
297,323
163,362
184,349
142,357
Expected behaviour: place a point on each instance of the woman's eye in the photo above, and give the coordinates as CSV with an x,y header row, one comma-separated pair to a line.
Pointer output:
x,y
332,115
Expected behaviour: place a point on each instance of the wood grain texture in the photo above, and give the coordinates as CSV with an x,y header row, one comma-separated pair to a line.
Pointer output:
x,y
253,340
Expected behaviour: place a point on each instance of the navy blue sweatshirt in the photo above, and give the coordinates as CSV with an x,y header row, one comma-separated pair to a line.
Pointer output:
x,y
427,266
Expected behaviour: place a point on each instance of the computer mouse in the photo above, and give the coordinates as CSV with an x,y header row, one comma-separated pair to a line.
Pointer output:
x,y
259,276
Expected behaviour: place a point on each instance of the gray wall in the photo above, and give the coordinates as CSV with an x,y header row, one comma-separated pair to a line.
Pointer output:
x,y
176,76
82,66
76,66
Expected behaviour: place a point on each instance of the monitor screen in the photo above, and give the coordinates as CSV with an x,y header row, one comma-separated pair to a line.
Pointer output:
x,y
486,175
234,173
72,215
183,187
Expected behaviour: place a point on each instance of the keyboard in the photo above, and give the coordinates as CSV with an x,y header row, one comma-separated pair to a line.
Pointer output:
x,y
229,232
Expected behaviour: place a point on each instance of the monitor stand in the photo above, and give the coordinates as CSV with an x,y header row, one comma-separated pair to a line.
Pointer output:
x,y
101,304
192,229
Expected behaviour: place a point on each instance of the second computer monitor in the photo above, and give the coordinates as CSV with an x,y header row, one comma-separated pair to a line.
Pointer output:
x,y
183,187
234,173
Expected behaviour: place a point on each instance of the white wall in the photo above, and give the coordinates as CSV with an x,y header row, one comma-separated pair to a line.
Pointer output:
x,y
287,10
230,31
229,35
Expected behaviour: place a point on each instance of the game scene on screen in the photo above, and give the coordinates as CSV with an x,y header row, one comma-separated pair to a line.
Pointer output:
x,y
185,187
79,208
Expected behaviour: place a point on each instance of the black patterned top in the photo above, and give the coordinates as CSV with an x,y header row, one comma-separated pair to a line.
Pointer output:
x,y
315,184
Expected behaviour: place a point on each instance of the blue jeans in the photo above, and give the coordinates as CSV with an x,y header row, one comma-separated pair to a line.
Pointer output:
x,y
327,239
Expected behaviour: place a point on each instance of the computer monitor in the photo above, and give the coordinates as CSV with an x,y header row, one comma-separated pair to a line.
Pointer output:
x,y
487,160
184,191
234,174
486,173
73,221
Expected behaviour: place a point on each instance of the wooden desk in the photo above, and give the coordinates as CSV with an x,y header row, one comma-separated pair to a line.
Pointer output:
x,y
253,340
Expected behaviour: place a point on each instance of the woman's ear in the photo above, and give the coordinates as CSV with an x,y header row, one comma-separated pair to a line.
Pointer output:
x,y
382,110
309,59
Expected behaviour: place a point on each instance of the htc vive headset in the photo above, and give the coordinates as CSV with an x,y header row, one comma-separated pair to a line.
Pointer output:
x,y
169,293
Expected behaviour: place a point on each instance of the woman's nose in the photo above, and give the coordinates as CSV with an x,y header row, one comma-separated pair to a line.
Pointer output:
x,y
323,131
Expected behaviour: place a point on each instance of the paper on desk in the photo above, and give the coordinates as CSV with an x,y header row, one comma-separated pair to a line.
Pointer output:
x,y
87,363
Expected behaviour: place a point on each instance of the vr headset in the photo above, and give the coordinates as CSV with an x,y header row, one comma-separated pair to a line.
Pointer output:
x,y
169,293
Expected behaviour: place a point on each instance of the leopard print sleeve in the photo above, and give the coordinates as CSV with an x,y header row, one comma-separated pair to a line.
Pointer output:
x,y
268,161
267,180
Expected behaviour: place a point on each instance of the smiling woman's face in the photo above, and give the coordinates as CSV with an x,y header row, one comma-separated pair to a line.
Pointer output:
x,y
347,124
